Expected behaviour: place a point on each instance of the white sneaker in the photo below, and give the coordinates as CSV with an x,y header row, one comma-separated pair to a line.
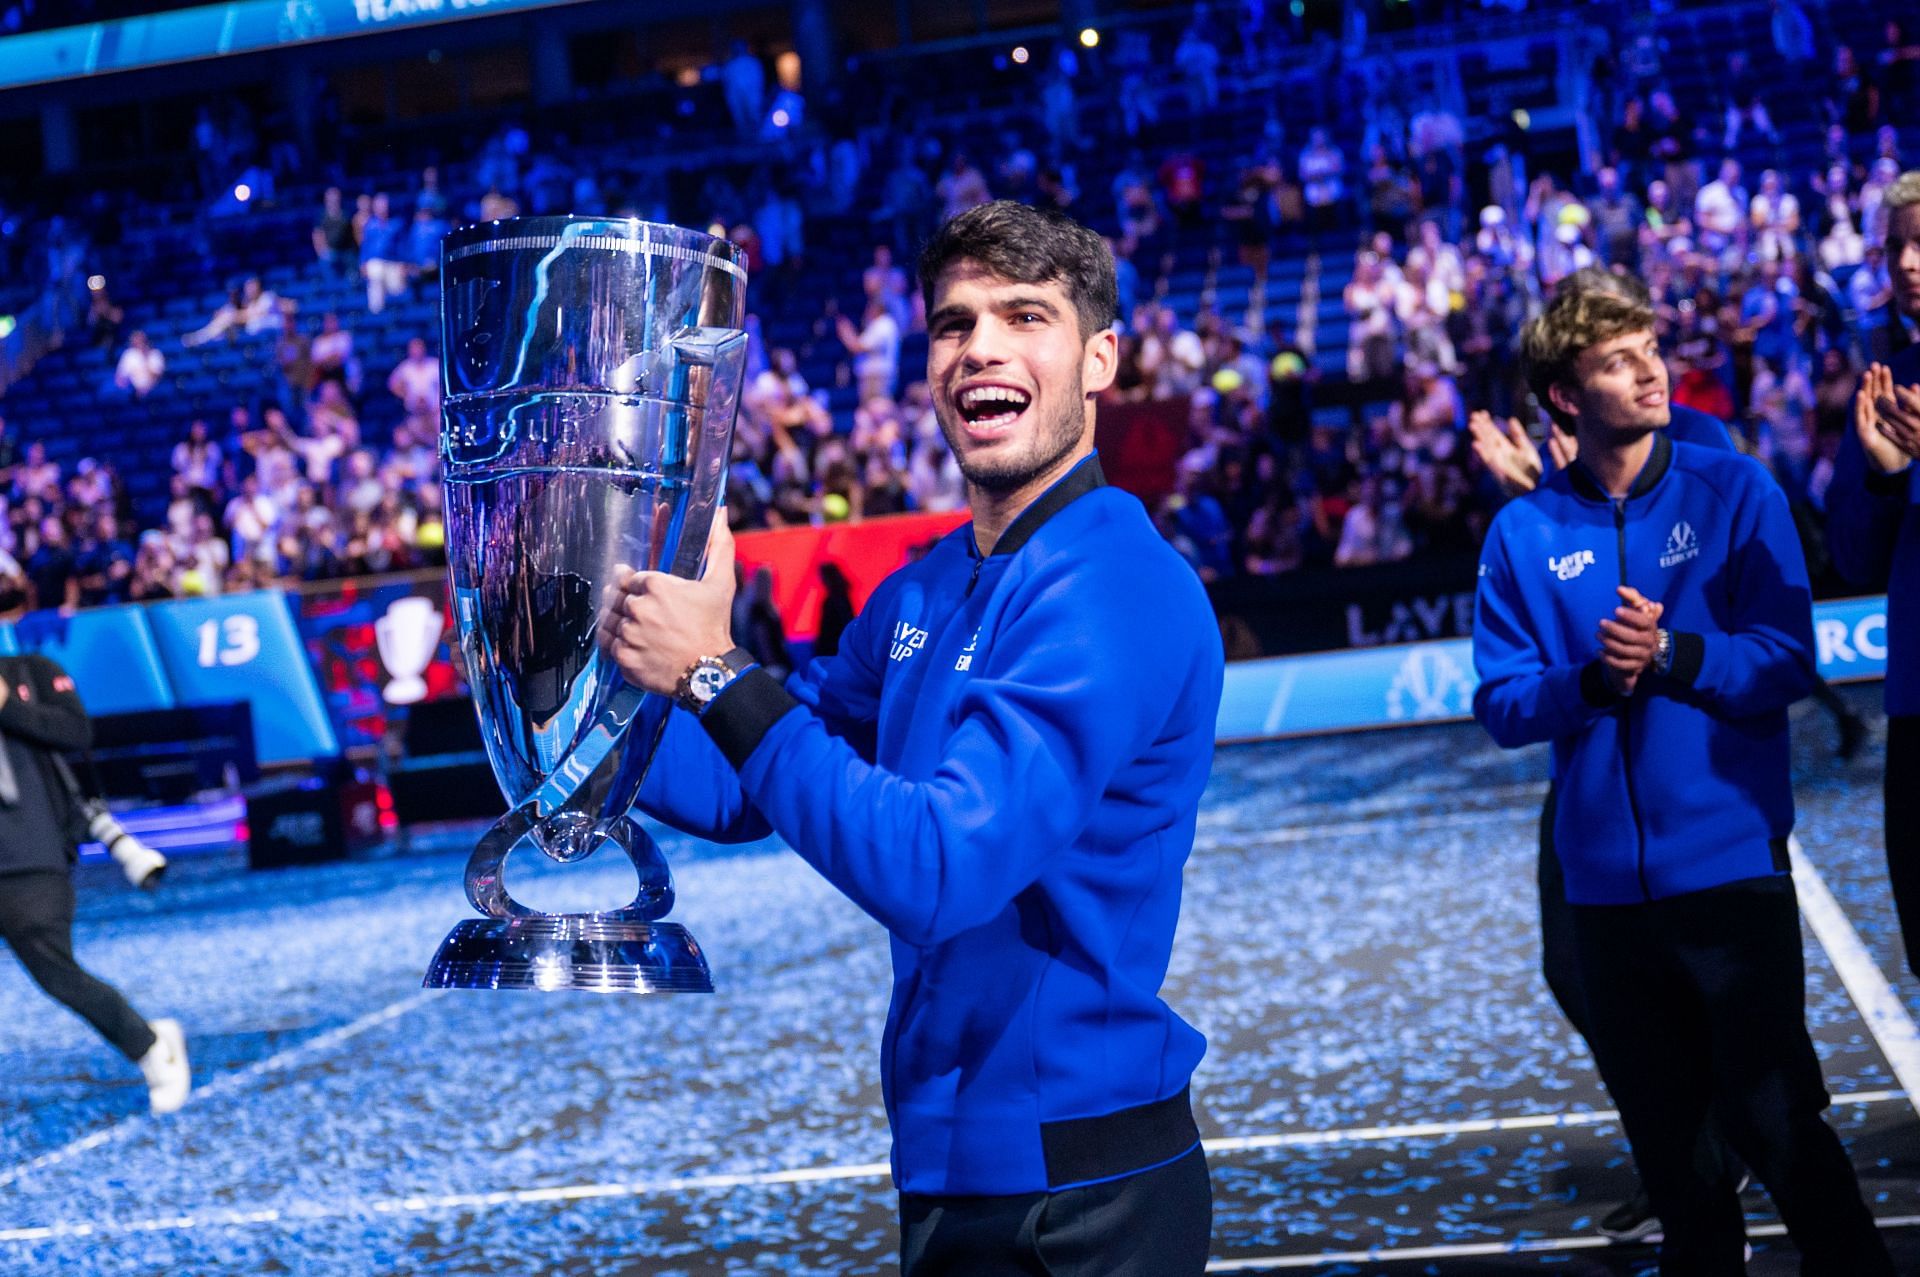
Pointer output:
x,y
165,1067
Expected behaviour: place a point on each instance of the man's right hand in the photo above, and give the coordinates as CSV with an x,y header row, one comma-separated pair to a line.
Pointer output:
x,y
1629,639
1886,418
1508,455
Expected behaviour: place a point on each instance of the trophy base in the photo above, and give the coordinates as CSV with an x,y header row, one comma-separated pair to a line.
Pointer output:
x,y
581,951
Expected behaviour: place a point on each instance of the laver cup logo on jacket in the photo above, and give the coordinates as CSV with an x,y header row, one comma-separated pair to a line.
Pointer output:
x,y
1571,566
906,641
1682,544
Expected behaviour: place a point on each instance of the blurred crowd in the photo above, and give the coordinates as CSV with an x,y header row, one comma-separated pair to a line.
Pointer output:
x,y
1770,284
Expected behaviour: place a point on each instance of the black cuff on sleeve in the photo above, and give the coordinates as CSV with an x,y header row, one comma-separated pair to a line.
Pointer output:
x,y
1897,484
744,711
1595,690
1689,653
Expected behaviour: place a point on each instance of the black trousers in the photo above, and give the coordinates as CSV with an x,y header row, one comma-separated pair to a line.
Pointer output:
x,y
1903,828
36,921
1154,1224
1698,1011
1559,959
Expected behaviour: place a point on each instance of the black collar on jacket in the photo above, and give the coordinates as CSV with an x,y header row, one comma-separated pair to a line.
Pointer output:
x,y
1651,473
1076,483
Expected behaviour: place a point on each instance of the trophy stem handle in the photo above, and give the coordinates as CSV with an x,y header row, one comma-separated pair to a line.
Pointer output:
x,y
486,867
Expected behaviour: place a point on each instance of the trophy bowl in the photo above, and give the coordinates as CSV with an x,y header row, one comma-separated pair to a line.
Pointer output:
x,y
592,368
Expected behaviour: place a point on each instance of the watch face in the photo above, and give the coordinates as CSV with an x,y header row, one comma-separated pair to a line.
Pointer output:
x,y
707,680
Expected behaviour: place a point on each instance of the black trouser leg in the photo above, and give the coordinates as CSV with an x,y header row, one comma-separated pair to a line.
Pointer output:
x,y
1559,955
1698,1005
1649,1038
36,921
1769,1095
1902,787
1154,1224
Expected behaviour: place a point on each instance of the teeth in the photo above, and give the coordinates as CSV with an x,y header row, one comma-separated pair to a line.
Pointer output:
x,y
984,398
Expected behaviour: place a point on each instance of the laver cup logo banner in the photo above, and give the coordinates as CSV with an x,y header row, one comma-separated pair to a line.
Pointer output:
x,y
592,370
1435,682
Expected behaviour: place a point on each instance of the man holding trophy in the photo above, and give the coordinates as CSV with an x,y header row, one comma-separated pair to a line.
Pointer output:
x,y
1002,765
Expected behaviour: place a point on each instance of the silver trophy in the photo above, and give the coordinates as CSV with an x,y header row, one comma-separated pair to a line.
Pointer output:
x,y
592,368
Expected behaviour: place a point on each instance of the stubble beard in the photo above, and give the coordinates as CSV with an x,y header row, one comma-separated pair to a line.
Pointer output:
x,y
1058,434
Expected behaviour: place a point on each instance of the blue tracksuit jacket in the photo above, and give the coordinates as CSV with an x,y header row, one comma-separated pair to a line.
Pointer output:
x,y
1003,766
1686,784
1873,532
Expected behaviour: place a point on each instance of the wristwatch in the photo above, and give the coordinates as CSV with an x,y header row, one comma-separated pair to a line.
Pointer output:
x,y
1663,653
709,676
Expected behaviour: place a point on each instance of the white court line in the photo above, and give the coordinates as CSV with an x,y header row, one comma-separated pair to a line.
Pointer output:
x,y
797,1175
1475,1250
1496,799
224,1083
1885,1014
1359,829
1282,695
1466,1126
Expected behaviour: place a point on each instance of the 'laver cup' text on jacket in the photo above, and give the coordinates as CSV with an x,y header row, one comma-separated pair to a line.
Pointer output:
x,y
1686,784
1003,766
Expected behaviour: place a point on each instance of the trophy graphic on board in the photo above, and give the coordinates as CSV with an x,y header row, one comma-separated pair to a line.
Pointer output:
x,y
407,636
592,369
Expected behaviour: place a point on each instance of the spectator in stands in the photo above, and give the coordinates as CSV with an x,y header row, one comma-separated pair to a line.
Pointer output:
x,y
103,563
1898,65
197,459
50,565
1854,104
1775,214
292,361
1720,212
1374,530
260,309
875,346
962,188
141,366
1617,217
1870,297
1745,110
230,315
1840,242
331,353
415,382
383,258
38,478
1183,185
334,245
744,84
1132,60
1323,181
422,248
103,317
1792,34
1198,62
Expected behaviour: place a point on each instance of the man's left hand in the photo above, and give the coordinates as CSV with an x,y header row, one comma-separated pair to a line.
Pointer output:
x,y
1898,409
1629,639
657,625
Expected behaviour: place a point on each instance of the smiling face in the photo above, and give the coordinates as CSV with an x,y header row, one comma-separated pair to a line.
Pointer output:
x,y
1619,386
1012,378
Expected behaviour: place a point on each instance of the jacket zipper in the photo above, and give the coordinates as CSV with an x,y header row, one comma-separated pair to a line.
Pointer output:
x,y
1626,721
980,561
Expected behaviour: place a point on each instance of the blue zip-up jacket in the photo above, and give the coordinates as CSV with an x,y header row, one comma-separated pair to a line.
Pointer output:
x,y
1684,785
1873,533
1003,766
